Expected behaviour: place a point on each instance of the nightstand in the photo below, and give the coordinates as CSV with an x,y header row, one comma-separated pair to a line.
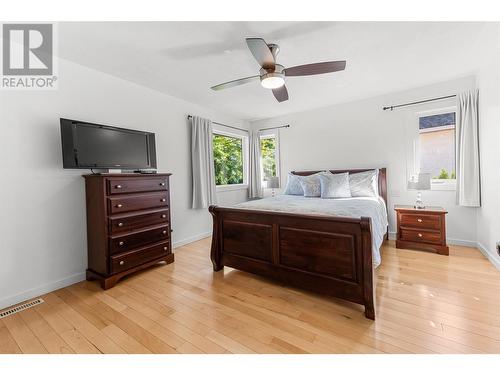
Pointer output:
x,y
423,229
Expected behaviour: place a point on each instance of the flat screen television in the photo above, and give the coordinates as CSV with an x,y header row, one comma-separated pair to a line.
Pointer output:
x,y
86,145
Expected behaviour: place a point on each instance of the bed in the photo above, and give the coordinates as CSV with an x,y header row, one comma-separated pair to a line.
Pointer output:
x,y
330,246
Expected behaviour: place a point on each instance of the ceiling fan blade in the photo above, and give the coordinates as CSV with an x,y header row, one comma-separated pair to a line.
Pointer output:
x,y
236,82
261,52
318,68
281,93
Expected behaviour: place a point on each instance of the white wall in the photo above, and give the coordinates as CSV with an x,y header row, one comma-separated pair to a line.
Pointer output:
x,y
43,229
488,81
359,135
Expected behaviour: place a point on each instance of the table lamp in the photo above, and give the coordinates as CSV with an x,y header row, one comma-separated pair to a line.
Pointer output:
x,y
273,183
420,182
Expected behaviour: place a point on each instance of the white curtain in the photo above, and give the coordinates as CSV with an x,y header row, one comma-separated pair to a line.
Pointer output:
x,y
202,162
467,149
254,172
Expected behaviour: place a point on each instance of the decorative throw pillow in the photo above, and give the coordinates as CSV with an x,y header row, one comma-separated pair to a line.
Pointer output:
x,y
364,184
335,185
311,184
293,185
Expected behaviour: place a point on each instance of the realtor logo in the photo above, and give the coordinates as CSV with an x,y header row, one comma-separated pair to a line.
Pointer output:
x,y
28,56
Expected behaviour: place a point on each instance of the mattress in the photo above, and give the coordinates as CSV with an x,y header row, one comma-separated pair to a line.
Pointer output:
x,y
373,207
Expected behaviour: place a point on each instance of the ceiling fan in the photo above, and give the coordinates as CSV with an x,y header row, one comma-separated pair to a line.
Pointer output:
x,y
272,75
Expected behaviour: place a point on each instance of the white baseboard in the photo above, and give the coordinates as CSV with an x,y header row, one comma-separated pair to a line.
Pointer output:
x,y
191,239
58,284
47,288
43,289
458,242
493,258
76,278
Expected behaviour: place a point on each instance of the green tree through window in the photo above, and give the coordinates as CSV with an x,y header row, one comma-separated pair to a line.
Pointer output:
x,y
268,156
228,160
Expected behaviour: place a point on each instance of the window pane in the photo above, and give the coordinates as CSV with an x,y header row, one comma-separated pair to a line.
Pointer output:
x,y
443,119
437,145
268,157
228,160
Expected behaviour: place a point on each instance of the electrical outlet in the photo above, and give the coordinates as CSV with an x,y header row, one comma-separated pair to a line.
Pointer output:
x,y
498,248
395,193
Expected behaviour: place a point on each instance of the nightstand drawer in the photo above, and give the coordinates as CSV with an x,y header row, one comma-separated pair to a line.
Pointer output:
x,y
424,221
421,236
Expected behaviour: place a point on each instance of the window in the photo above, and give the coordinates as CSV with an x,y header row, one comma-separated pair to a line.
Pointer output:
x,y
436,147
269,152
229,159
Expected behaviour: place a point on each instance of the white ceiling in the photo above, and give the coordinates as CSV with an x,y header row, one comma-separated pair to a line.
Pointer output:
x,y
184,59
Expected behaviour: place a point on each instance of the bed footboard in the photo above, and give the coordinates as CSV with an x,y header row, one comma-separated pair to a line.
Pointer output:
x,y
329,255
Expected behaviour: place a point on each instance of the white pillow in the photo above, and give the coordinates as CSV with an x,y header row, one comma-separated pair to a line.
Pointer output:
x,y
364,184
311,185
293,185
335,185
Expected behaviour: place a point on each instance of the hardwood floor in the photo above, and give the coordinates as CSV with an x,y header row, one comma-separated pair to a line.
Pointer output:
x,y
427,303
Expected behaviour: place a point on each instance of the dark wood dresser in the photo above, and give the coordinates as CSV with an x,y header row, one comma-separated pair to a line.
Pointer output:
x,y
423,229
128,224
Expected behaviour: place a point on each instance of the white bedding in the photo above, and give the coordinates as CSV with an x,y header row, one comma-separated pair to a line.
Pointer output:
x,y
373,207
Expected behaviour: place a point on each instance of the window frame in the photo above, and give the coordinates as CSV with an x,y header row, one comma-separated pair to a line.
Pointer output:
x,y
245,152
436,184
266,134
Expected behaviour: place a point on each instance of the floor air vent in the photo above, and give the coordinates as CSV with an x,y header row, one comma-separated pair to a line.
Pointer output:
x,y
16,309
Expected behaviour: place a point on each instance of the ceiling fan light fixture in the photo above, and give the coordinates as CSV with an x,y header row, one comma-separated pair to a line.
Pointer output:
x,y
272,80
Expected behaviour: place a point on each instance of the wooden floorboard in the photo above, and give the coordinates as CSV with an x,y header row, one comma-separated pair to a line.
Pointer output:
x,y
426,303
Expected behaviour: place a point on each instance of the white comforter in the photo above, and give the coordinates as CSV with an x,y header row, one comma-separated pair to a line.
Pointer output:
x,y
346,207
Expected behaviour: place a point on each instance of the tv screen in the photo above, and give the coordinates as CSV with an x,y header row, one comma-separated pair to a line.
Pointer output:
x,y
86,145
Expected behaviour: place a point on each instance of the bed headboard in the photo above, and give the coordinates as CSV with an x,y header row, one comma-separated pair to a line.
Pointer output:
x,y
382,178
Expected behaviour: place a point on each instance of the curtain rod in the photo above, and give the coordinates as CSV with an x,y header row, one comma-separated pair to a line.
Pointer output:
x,y
417,102
275,127
227,126
245,130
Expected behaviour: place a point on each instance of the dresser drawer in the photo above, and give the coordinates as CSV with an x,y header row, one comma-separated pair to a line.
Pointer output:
x,y
137,257
136,239
136,185
424,221
129,222
421,236
137,202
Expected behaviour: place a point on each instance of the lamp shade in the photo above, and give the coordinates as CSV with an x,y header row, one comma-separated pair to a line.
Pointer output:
x,y
421,181
273,182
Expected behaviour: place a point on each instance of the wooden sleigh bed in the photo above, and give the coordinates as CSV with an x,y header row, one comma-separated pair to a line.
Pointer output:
x,y
326,254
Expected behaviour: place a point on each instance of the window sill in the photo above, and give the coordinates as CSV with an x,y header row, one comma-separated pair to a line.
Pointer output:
x,y
222,188
437,185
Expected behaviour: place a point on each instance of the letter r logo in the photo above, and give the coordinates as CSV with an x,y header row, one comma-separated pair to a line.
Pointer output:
x,y
27,49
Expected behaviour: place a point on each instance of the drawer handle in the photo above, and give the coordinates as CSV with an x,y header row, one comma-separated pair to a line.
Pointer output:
x,y
162,184
122,262
164,232
118,186
119,205
163,216
420,235
165,248
120,224
419,220
163,200
121,243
